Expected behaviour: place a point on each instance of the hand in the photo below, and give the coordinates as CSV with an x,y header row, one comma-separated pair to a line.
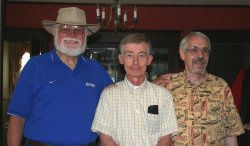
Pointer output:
x,y
106,140
163,80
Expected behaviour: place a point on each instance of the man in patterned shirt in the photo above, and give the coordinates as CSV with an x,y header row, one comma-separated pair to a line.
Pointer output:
x,y
135,112
204,105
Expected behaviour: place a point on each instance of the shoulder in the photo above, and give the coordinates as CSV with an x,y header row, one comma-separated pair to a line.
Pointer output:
x,y
111,92
90,62
158,89
177,76
176,81
41,57
155,86
216,79
113,87
38,60
93,65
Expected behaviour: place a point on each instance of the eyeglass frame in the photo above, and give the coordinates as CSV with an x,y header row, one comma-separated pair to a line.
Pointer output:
x,y
195,50
78,29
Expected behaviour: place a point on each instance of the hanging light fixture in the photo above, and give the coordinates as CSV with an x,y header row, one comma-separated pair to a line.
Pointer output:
x,y
115,16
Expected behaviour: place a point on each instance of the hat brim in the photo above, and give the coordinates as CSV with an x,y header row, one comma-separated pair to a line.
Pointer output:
x,y
92,28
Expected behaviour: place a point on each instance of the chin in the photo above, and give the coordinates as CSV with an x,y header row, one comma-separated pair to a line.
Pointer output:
x,y
198,71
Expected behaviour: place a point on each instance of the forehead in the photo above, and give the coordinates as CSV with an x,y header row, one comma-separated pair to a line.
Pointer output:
x,y
197,41
135,47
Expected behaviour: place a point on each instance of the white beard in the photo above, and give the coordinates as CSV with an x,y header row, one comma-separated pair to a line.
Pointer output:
x,y
76,51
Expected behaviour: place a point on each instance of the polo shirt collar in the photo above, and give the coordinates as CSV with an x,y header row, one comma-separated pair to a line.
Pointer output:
x,y
54,57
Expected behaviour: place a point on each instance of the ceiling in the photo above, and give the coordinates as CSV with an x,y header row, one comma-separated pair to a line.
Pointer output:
x,y
150,2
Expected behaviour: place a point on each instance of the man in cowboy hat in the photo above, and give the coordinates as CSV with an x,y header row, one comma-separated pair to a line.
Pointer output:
x,y
56,95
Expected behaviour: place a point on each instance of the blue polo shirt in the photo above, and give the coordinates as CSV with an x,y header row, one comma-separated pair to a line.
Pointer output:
x,y
58,103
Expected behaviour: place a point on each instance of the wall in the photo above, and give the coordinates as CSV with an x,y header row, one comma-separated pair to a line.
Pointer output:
x,y
224,25
29,15
6,93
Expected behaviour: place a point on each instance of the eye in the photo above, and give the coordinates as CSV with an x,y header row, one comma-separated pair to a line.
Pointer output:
x,y
128,55
205,50
78,29
64,28
71,29
194,49
142,55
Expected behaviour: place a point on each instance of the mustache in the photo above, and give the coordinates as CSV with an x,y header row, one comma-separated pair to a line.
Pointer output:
x,y
199,60
71,39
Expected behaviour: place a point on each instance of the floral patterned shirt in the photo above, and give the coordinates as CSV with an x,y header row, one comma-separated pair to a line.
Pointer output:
x,y
206,113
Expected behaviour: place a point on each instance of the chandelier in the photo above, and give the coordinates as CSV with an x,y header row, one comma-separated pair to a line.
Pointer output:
x,y
120,21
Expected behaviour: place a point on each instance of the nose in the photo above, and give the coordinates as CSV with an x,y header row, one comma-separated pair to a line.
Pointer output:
x,y
72,32
200,53
135,59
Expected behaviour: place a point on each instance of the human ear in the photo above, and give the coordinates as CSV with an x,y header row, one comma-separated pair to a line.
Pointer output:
x,y
150,58
53,30
120,57
182,54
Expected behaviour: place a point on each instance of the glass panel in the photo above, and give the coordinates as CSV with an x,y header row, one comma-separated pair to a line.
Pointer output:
x,y
108,58
159,64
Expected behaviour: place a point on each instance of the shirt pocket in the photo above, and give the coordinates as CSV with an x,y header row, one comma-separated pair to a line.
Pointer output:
x,y
153,127
153,123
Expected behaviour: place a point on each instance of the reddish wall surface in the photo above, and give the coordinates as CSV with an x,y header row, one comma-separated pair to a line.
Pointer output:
x,y
29,15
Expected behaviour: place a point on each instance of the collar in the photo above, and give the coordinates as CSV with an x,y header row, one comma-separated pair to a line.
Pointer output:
x,y
54,57
188,82
133,88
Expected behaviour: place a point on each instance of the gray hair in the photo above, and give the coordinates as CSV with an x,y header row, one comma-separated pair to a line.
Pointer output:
x,y
184,42
135,38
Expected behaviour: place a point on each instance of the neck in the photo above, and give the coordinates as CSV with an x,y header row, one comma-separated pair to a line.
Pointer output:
x,y
136,81
196,79
70,61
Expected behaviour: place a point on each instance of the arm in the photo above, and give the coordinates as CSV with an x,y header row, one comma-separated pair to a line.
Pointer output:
x,y
165,141
106,140
232,141
163,80
234,123
15,131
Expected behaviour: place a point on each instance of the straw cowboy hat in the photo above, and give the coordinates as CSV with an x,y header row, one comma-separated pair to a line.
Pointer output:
x,y
71,16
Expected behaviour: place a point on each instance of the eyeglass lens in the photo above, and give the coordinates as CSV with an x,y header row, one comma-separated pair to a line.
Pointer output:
x,y
71,28
195,50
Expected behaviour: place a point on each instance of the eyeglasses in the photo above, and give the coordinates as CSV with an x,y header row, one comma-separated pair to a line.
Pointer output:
x,y
195,51
67,29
